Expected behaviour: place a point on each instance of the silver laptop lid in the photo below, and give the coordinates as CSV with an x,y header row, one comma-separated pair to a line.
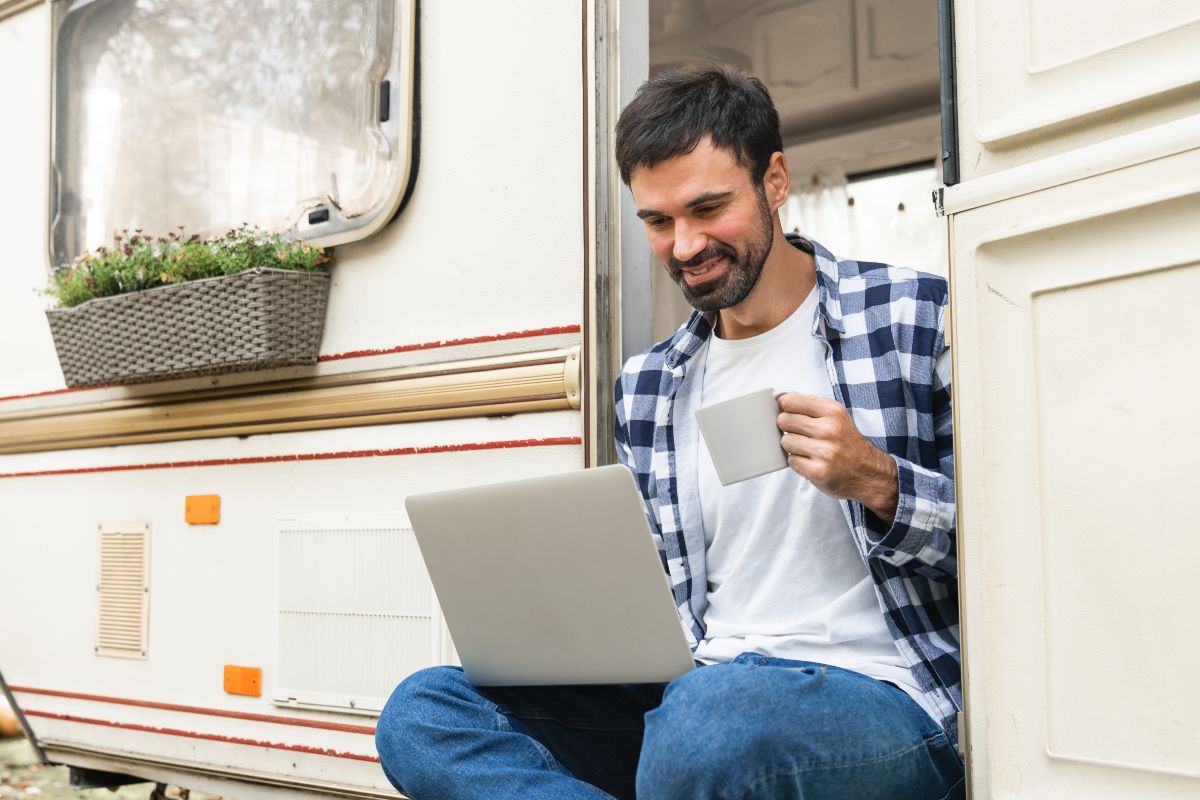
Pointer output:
x,y
551,580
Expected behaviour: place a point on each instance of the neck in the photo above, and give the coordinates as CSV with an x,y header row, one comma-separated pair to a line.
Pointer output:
x,y
788,275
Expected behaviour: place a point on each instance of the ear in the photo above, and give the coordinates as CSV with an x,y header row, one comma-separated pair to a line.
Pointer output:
x,y
776,181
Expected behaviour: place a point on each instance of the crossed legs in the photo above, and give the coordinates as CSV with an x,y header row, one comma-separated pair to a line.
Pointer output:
x,y
754,728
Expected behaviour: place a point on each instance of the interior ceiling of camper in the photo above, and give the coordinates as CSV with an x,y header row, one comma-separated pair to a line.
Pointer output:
x,y
831,66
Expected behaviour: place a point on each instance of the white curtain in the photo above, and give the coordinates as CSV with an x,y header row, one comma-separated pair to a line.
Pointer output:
x,y
819,206
889,218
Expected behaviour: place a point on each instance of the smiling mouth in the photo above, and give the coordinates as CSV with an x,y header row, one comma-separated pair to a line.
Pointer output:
x,y
702,273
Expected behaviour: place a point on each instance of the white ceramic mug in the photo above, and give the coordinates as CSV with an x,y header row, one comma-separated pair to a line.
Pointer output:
x,y
742,437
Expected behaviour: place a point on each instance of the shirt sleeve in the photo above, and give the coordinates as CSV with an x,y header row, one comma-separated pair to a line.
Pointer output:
x,y
621,432
922,538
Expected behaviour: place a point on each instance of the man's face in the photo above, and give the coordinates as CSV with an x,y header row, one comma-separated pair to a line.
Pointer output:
x,y
707,222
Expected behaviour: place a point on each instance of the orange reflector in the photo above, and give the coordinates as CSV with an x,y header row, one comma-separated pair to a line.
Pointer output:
x,y
202,509
243,680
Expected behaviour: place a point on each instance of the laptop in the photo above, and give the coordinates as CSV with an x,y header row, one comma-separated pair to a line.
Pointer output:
x,y
551,581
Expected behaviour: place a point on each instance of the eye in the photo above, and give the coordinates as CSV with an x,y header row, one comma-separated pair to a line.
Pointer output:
x,y
657,223
706,211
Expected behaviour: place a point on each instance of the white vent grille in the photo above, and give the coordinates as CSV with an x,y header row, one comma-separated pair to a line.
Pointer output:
x,y
355,611
123,590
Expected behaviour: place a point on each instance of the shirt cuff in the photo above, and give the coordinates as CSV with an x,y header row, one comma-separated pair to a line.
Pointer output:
x,y
908,533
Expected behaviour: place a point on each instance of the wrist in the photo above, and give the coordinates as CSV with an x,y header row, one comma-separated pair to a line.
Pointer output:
x,y
883,495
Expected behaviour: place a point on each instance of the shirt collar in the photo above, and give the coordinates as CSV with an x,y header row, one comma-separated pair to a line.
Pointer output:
x,y
829,300
699,326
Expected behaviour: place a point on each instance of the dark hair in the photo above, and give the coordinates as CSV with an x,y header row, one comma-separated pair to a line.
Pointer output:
x,y
674,110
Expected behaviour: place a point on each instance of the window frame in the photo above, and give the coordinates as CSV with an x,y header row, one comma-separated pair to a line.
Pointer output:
x,y
321,224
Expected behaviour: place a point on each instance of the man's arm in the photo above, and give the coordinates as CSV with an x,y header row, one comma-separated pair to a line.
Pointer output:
x,y
909,509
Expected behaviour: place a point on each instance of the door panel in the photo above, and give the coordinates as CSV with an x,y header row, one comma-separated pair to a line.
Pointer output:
x,y
1043,77
1075,392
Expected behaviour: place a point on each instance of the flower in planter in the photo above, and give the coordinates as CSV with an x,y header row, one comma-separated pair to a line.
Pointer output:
x,y
138,262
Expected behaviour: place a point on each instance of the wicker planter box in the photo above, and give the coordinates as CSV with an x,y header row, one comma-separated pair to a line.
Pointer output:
x,y
257,319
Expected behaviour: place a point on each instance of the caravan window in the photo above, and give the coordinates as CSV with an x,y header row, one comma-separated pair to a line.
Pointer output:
x,y
206,114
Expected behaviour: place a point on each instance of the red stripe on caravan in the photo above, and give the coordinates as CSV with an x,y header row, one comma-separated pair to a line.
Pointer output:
x,y
499,337
52,391
212,712
403,348
212,737
221,462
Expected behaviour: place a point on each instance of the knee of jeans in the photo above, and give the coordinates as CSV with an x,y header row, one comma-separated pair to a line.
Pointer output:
x,y
701,736
414,704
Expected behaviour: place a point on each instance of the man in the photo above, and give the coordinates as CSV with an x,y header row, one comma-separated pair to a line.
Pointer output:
x,y
821,599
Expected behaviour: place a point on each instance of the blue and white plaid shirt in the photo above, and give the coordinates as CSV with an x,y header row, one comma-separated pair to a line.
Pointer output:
x,y
883,331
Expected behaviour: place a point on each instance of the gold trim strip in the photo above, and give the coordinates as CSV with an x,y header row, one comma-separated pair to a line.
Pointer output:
x,y
9,8
541,381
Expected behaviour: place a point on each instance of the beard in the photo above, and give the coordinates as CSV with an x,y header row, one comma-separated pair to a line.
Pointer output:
x,y
745,267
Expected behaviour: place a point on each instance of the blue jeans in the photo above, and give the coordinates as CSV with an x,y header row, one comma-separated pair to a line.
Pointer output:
x,y
757,727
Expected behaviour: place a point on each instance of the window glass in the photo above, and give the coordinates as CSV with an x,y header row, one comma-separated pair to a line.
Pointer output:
x,y
210,113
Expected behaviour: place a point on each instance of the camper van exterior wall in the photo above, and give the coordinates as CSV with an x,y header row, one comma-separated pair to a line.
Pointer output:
x,y
454,353
1073,271
212,582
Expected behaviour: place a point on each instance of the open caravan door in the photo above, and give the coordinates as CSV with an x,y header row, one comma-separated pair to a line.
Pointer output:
x,y
1075,273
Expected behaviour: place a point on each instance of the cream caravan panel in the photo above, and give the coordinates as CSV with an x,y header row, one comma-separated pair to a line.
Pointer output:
x,y
1075,391
492,239
1040,77
896,41
354,608
490,245
213,600
24,154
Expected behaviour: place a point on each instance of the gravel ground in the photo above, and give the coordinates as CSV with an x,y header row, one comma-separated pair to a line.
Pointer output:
x,y
22,777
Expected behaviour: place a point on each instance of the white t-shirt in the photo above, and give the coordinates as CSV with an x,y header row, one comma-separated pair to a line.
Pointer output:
x,y
785,577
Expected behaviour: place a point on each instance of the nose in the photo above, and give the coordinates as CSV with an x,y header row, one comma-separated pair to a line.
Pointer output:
x,y
689,241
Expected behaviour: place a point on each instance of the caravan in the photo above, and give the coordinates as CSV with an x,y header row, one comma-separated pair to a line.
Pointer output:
x,y
210,580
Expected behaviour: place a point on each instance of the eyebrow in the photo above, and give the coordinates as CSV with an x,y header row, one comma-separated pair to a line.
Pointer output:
x,y
707,197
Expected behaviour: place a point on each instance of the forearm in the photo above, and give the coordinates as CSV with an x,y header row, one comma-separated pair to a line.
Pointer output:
x,y
880,490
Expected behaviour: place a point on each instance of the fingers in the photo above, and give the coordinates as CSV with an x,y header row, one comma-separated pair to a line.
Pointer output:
x,y
814,470
809,405
817,427
806,447
816,417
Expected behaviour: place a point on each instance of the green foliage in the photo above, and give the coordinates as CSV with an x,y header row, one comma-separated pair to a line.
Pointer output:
x,y
137,262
